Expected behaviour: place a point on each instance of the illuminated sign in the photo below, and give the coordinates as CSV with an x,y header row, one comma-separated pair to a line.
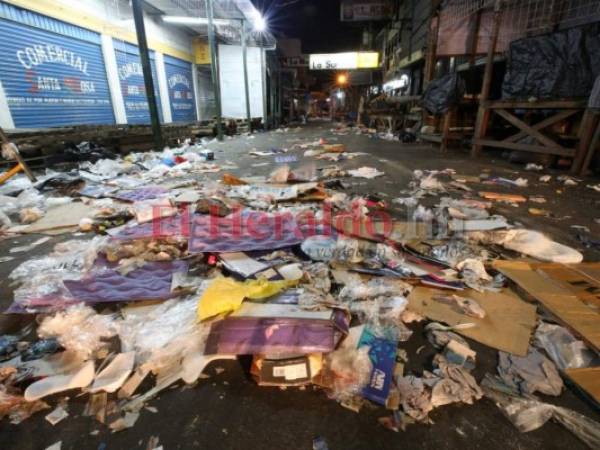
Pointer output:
x,y
356,11
345,61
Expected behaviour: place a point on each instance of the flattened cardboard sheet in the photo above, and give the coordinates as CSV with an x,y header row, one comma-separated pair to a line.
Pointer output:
x,y
570,292
507,325
588,379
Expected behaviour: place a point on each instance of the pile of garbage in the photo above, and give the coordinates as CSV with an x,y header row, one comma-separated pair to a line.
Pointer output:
x,y
170,270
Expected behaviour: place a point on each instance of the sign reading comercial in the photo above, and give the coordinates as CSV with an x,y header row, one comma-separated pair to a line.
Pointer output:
x,y
344,61
181,89
131,77
52,73
356,11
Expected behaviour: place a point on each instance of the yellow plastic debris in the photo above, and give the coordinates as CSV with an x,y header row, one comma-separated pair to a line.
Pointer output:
x,y
226,294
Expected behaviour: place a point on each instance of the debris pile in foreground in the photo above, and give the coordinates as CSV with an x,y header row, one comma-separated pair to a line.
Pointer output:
x,y
170,269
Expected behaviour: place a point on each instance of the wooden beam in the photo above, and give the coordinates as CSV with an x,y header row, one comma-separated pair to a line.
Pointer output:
x,y
483,113
524,147
591,151
543,124
586,132
431,57
529,130
446,131
474,38
545,104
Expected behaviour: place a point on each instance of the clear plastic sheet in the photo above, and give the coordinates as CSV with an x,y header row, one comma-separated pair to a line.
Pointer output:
x,y
562,347
383,316
530,414
351,369
15,184
455,251
105,168
79,329
163,331
375,287
68,259
30,198
43,277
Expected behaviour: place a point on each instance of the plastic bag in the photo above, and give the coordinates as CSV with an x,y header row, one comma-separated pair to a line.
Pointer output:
x,y
30,198
226,294
557,65
68,259
351,370
163,332
529,242
443,93
375,287
528,415
79,329
562,347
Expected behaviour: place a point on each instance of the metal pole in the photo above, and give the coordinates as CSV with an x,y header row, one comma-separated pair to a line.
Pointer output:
x,y
138,17
247,89
213,65
264,80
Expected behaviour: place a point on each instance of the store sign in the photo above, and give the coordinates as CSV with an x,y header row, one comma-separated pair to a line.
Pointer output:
x,y
181,89
131,77
344,61
353,11
295,61
52,80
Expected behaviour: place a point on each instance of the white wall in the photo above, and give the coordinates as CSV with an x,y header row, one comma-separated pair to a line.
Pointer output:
x,y
231,73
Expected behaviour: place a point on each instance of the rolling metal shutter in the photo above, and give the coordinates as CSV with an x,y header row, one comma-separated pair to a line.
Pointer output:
x,y
53,73
131,77
181,89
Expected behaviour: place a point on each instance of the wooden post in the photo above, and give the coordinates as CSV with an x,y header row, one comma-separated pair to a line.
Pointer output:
x,y
586,136
474,40
591,151
432,47
446,131
483,114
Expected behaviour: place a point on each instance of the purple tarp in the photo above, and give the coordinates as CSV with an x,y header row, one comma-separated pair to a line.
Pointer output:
x,y
252,335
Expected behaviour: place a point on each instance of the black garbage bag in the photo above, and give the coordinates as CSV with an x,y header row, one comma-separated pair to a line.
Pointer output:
x,y
443,93
87,151
564,64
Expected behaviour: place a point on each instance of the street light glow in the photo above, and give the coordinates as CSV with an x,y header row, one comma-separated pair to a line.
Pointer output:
x,y
260,24
342,78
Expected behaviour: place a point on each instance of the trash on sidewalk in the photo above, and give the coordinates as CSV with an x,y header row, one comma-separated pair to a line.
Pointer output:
x,y
318,281
566,291
507,326
531,373
530,414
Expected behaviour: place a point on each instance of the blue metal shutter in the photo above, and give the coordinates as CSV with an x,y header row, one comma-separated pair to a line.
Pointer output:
x,y
53,73
131,79
181,89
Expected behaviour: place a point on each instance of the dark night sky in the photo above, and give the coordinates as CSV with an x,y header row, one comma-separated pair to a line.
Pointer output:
x,y
315,22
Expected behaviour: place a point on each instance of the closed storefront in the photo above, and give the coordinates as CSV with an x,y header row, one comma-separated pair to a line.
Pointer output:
x,y
52,73
181,89
131,79
233,96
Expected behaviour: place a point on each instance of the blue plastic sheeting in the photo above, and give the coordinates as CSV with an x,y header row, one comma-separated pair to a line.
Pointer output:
x,y
52,80
181,89
131,78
